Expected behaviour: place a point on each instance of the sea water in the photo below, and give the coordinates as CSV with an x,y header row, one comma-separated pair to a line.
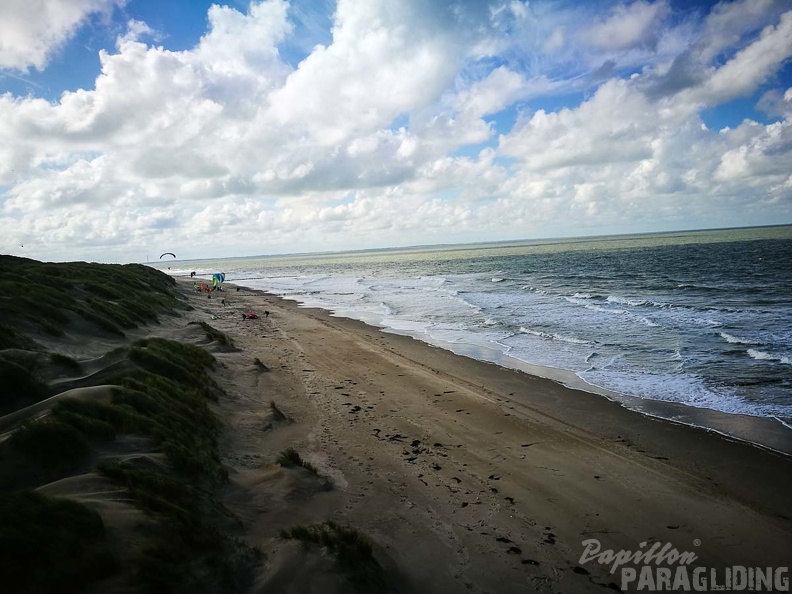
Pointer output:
x,y
703,319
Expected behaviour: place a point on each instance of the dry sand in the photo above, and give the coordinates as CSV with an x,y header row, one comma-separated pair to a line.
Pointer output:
x,y
468,477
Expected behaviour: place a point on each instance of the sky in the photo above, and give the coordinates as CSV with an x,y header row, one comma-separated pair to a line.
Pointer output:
x,y
133,127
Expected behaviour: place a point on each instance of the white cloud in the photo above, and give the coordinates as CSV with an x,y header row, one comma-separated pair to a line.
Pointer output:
x,y
729,22
750,66
30,30
385,60
629,25
776,103
385,136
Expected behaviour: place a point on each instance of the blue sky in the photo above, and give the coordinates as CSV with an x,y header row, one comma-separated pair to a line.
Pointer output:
x,y
135,126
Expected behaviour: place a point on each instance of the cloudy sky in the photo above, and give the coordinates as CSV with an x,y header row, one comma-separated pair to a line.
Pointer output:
x,y
133,127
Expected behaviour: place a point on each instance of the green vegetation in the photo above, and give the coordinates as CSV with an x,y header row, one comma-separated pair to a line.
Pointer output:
x,y
50,297
51,444
188,552
122,418
19,386
291,457
352,550
165,396
50,545
180,362
65,361
214,334
163,391
11,339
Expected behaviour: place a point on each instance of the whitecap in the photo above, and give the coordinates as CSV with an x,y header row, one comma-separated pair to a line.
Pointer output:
x,y
553,336
626,301
735,339
763,356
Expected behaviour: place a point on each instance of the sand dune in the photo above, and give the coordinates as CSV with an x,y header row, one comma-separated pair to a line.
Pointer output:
x,y
463,476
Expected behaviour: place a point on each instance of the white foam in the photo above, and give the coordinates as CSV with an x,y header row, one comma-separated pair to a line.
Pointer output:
x,y
648,322
467,309
685,389
553,336
706,322
762,356
735,339
626,301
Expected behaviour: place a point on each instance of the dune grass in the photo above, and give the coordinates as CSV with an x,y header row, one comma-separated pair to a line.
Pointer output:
x,y
164,396
291,457
19,386
352,550
163,393
167,398
51,444
188,552
50,296
10,338
214,334
51,545
65,361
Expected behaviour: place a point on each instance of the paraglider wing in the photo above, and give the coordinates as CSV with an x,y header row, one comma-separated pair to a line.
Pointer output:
x,y
217,279
167,254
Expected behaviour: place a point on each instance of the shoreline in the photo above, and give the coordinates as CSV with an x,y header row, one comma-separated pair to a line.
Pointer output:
x,y
763,432
467,475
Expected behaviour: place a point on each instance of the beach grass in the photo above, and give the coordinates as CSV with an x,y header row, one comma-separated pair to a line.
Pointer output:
x,y
351,549
51,545
20,384
214,334
51,296
10,338
51,444
162,391
65,361
291,457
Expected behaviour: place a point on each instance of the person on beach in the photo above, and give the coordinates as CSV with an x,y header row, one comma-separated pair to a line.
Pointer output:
x,y
249,316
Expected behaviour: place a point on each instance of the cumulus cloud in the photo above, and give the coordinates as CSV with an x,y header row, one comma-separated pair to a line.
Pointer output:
x,y
630,25
30,30
752,65
385,135
729,22
776,103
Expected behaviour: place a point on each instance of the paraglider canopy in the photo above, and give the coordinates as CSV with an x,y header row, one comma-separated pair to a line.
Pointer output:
x,y
217,279
167,254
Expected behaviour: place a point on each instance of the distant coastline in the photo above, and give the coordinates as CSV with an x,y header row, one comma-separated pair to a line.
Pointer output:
x,y
338,283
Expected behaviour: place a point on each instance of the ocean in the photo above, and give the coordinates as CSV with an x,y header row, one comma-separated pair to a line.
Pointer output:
x,y
672,324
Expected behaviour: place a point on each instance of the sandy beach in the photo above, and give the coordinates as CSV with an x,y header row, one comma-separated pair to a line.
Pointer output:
x,y
298,452
466,476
